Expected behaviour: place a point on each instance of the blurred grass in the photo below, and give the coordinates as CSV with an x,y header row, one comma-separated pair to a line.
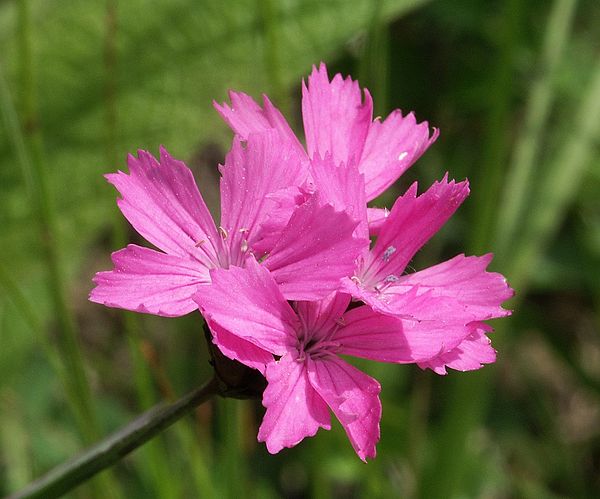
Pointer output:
x,y
513,86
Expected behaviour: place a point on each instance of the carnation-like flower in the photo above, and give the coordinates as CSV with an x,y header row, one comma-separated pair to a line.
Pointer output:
x,y
309,251
338,123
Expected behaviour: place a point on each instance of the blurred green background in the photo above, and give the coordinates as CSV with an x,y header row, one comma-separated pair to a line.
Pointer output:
x,y
514,87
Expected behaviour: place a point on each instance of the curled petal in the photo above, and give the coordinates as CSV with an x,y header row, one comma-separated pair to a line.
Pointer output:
x,y
471,354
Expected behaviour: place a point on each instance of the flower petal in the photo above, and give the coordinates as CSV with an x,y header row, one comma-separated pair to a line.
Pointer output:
x,y
146,280
354,399
162,202
391,147
315,251
245,117
412,222
474,293
321,317
472,353
236,348
247,303
342,186
376,218
370,335
265,165
336,121
294,409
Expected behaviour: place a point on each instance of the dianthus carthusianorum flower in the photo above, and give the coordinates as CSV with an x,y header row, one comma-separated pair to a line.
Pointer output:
x,y
289,280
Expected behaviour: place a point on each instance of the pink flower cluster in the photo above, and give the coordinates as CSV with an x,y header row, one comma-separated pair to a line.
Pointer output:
x,y
288,281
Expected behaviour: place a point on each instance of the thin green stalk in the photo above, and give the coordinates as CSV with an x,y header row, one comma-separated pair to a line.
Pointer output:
x,y
29,143
24,307
270,18
155,464
111,450
234,473
465,406
373,72
520,179
559,184
487,180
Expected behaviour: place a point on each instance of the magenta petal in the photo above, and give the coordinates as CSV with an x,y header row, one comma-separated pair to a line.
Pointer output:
x,y
294,409
391,147
336,121
315,251
264,165
473,294
376,218
322,317
354,399
162,202
145,280
247,303
412,222
342,186
472,353
236,348
367,334
245,117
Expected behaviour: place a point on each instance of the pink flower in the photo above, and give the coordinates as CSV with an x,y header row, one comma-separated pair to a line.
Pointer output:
x,y
308,252
338,123
447,301
307,339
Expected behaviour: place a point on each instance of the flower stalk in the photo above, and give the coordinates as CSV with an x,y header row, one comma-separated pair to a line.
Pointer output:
x,y
109,451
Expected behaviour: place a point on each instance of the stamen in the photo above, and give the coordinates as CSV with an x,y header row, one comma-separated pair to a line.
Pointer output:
x,y
244,246
223,233
387,254
402,155
340,321
391,278
200,243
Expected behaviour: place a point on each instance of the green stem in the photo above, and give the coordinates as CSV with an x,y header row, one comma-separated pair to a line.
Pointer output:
x,y
268,11
29,142
112,449
488,180
519,182
559,184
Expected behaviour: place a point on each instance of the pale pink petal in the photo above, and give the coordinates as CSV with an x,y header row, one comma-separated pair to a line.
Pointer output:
x,y
472,353
336,121
474,293
342,186
315,251
412,222
354,399
247,303
145,280
253,171
376,218
391,147
236,348
245,117
294,409
162,202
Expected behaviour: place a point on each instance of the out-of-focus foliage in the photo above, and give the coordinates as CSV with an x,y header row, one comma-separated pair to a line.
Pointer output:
x,y
111,77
